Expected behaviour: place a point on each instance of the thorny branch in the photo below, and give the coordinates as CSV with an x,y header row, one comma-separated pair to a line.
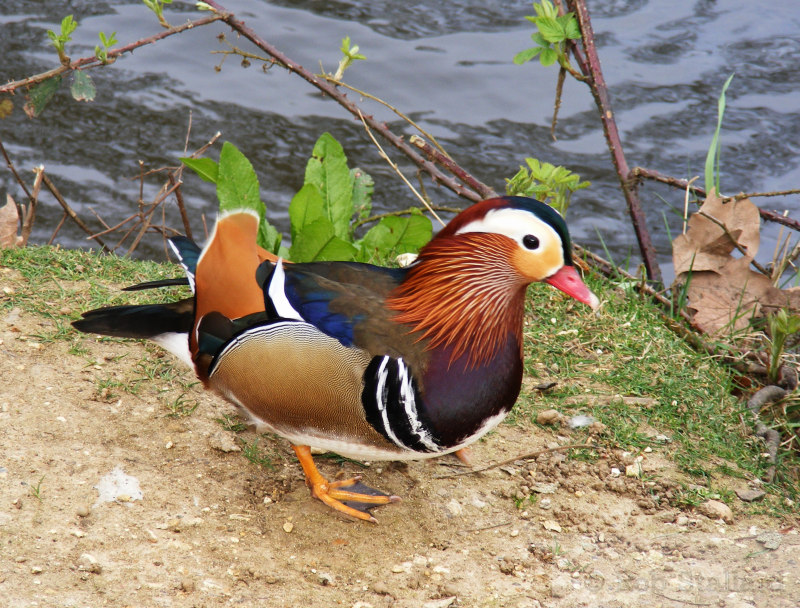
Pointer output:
x,y
93,62
637,173
590,66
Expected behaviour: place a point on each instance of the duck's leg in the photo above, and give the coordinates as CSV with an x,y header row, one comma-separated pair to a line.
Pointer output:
x,y
464,455
359,498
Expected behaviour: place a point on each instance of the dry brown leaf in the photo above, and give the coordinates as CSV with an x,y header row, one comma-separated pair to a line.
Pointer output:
x,y
9,220
707,245
725,301
723,291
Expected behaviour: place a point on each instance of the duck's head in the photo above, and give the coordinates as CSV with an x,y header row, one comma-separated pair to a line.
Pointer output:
x,y
535,238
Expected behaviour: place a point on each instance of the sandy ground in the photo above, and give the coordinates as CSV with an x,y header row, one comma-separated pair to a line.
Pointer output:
x,y
200,525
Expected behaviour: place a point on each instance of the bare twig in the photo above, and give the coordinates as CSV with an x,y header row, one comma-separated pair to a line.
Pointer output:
x,y
386,104
64,217
30,210
448,163
766,214
562,74
686,203
70,212
529,456
380,216
20,181
385,157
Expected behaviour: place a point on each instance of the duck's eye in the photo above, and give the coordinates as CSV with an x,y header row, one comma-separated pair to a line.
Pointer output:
x,y
530,241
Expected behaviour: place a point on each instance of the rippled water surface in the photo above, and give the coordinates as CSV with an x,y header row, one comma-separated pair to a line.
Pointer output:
x,y
448,65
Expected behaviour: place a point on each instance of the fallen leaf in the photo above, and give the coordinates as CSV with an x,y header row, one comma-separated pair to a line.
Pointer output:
x,y
9,220
707,245
723,290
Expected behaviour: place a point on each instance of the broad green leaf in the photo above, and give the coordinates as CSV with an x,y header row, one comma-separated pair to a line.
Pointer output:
x,y
571,29
395,235
268,237
237,184
550,29
548,57
363,187
206,168
82,88
327,169
306,207
40,95
527,55
318,242
539,39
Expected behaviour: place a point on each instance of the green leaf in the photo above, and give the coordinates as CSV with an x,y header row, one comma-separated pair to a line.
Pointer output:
x,y
68,25
307,206
40,95
206,168
318,242
526,55
363,187
712,157
539,39
82,88
548,57
237,184
550,29
269,237
327,169
571,29
395,235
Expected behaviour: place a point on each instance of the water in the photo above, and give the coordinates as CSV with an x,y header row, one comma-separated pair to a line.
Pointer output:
x,y
446,64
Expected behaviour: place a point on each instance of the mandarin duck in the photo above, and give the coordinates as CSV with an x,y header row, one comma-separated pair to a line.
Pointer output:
x,y
368,362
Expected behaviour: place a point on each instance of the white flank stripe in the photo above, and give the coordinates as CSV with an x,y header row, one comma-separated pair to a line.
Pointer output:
x,y
410,406
277,294
380,397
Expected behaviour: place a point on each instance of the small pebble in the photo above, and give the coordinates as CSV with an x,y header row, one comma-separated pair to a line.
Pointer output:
x,y
549,417
551,525
187,585
454,508
750,495
714,509
88,563
83,511
288,527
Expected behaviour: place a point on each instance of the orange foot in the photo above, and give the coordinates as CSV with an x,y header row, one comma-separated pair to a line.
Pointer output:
x,y
354,502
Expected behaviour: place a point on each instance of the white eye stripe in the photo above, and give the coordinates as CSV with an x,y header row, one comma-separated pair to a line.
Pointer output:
x,y
516,224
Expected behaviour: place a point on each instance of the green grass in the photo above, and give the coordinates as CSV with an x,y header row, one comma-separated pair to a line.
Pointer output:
x,y
597,359
625,350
